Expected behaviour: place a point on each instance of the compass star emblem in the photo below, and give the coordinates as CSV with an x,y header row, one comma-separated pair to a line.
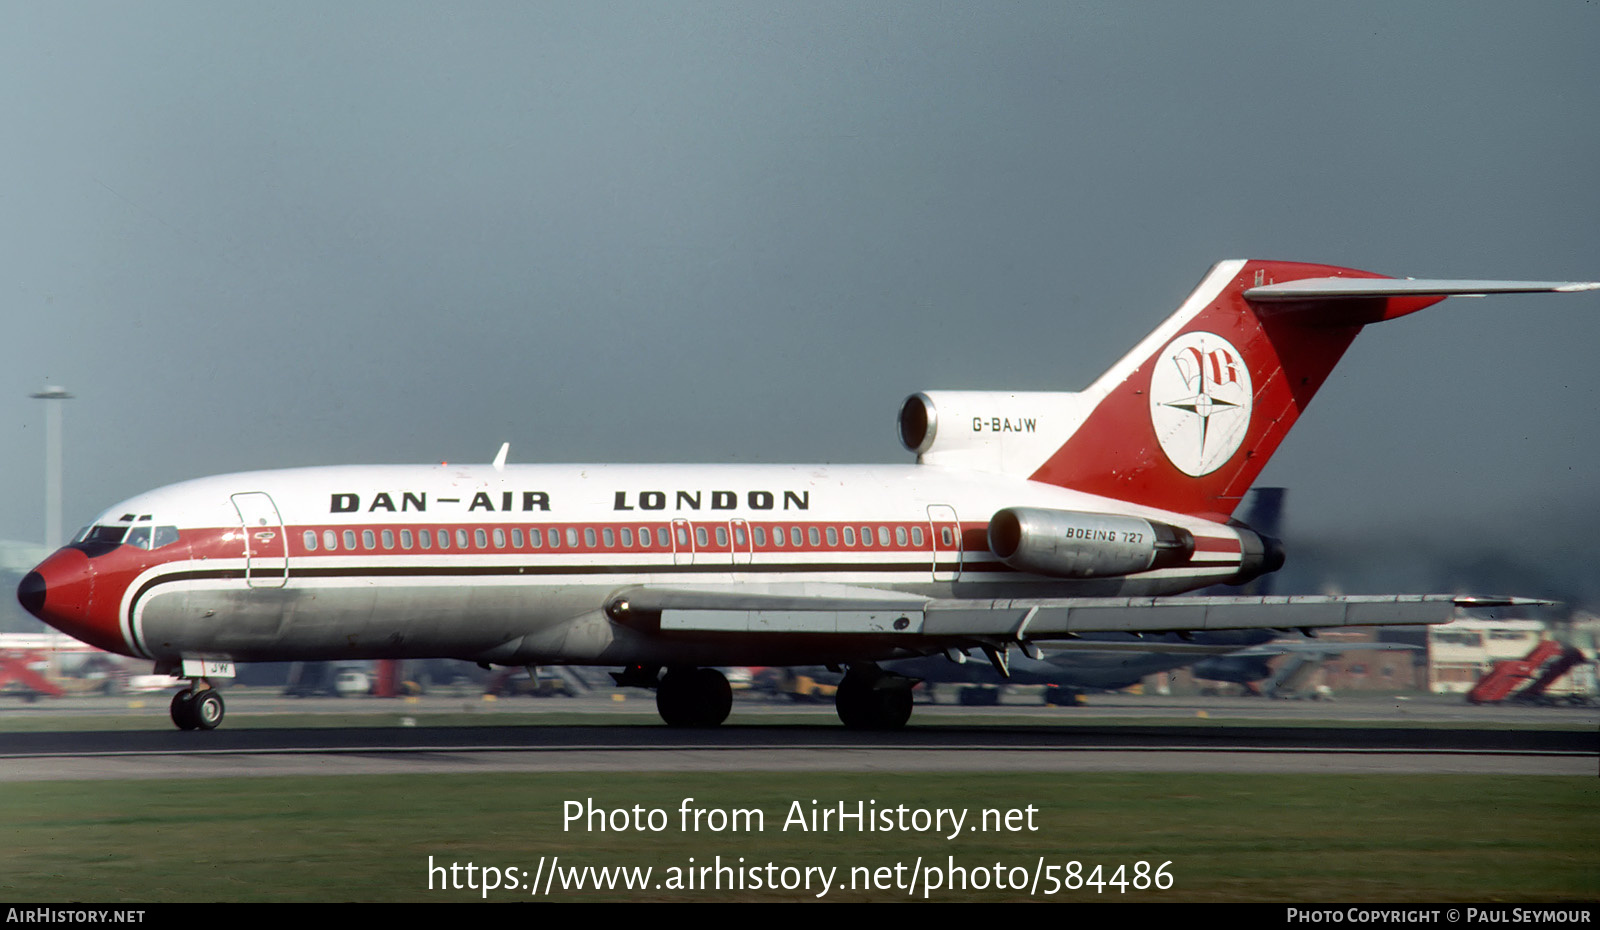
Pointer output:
x,y
1202,406
1200,398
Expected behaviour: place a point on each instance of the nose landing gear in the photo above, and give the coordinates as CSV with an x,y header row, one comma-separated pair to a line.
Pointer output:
x,y
200,709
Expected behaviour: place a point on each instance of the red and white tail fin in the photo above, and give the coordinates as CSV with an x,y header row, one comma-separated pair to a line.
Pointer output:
x,y
1187,420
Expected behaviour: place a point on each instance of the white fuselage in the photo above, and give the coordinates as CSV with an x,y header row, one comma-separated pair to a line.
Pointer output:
x,y
515,564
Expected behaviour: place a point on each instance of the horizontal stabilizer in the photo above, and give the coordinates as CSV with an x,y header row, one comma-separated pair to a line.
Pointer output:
x,y
1341,288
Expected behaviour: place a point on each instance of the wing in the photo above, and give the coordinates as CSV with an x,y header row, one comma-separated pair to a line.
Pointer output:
x,y
867,622
849,610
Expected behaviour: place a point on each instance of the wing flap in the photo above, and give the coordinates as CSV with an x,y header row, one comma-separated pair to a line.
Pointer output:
x,y
844,609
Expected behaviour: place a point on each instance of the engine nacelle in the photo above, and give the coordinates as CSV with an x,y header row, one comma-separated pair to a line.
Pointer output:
x,y
1073,544
989,430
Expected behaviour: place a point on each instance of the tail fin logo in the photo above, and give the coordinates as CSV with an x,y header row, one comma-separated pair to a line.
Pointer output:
x,y
1200,396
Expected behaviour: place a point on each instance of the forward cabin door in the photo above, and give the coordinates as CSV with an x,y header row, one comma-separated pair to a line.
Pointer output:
x,y
266,543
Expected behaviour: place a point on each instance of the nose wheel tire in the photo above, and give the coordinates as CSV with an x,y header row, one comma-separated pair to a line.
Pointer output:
x,y
197,711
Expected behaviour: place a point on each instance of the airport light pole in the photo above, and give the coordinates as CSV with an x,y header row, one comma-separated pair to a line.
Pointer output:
x,y
53,396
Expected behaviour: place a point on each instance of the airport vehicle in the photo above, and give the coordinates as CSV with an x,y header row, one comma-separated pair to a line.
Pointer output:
x,y
1527,679
1028,517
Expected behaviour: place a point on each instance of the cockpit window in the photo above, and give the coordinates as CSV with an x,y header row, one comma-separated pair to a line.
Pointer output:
x,y
105,534
106,537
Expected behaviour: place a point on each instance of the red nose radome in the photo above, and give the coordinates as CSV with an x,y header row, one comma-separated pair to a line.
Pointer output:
x,y
60,591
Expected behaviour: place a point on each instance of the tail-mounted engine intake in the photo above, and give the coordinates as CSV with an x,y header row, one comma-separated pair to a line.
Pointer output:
x,y
988,430
1071,544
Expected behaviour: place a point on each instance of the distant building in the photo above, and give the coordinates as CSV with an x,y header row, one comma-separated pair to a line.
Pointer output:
x,y
20,557
1463,651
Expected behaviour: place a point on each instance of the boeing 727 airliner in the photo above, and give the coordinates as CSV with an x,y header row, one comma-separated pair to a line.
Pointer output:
x,y
1028,517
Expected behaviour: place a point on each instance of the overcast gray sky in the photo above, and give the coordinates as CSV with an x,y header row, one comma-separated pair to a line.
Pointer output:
x,y
261,235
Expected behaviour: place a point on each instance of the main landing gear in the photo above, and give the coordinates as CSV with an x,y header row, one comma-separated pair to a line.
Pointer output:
x,y
870,698
194,709
694,697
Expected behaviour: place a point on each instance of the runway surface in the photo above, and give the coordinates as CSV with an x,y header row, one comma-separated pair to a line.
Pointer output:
x,y
1372,735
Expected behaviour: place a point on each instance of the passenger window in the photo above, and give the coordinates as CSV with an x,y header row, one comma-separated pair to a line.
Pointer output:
x,y
480,538
946,538
700,537
916,536
794,535
739,536
900,536
777,536
555,537
368,540
461,538
588,536
850,536
627,537
722,537
310,538
761,536
388,539
883,536
814,536
350,539
425,538
444,538
609,536
572,536
663,538
405,539
833,537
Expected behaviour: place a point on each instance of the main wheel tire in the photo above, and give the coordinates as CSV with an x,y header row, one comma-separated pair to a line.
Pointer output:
x,y
673,701
865,703
694,697
713,697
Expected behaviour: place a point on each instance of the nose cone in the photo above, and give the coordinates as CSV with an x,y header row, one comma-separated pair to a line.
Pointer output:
x,y
30,593
60,591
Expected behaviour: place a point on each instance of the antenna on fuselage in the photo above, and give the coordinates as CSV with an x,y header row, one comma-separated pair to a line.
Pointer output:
x,y
500,458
